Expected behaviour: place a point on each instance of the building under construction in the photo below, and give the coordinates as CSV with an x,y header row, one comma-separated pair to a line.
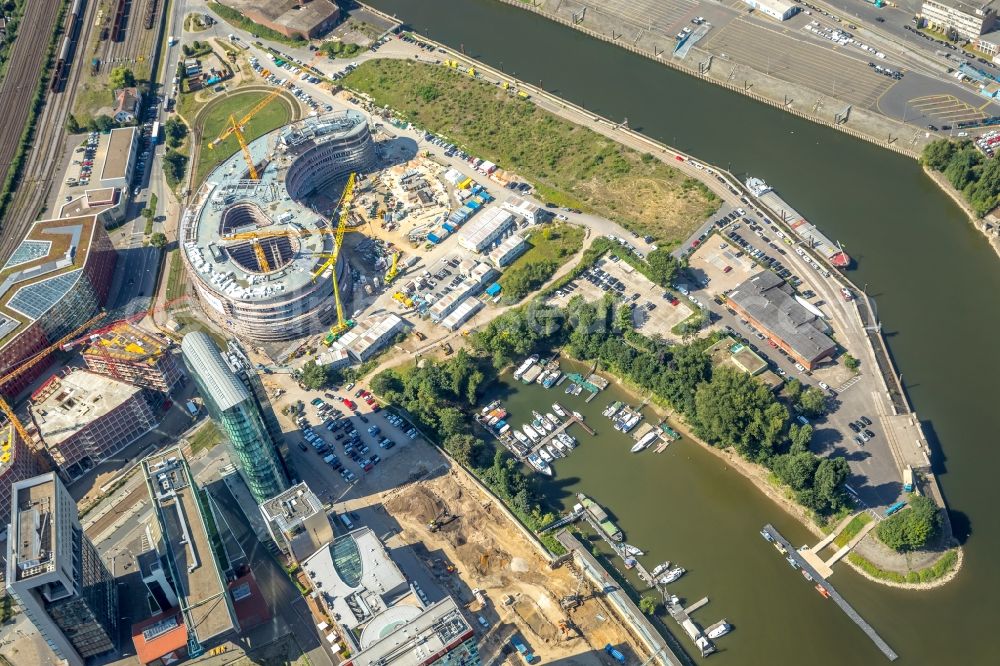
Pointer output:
x,y
17,463
84,418
129,354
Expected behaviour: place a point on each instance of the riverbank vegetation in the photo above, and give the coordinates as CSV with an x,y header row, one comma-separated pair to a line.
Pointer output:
x,y
568,164
438,397
550,246
968,170
943,566
852,529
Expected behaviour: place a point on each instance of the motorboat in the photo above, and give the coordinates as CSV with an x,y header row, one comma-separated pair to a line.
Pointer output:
x,y
720,630
544,453
659,568
552,379
553,419
553,451
563,449
633,551
767,536
578,415
490,407
557,408
612,409
533,435
542,424
791,562
503,429
570,389
528,362
539,464
521,437
643,443
630,562
671,576
567,439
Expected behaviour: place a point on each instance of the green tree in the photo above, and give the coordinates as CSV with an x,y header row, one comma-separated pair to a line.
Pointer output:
x,y
812,402
72,126
314,376
828,486
851,363
461,447
451,421
663,267
962,168
175,130
912,527
793,389
102,123
799,438
121,77
730,411
796,469
174,164
157,240
937,154
648,604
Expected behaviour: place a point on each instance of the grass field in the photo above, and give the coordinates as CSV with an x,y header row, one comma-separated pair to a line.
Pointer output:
x,y
176,280
550,248
205,438
215,117
568,164
852,529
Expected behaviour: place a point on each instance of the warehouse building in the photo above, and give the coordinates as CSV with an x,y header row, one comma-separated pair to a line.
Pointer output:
x,y
132,355
297,522
118,155
84,418
55,281
781,10
486,229
768,303
469,307
365,340
294,19
17,463
967,19
531,212
507,251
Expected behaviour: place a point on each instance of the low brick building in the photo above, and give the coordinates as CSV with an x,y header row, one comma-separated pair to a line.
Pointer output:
x,y
292,18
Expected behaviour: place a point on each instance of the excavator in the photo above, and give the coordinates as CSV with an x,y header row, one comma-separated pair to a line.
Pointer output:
x,y
442,520
393,271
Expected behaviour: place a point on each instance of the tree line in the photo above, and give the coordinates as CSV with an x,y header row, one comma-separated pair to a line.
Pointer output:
x,y
968,170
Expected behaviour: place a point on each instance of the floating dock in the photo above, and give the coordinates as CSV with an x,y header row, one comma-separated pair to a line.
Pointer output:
x,y
804,565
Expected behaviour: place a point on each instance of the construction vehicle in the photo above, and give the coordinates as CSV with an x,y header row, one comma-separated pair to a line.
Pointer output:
x,y
405,300
236,127
393,271
442,520
614,654
31,362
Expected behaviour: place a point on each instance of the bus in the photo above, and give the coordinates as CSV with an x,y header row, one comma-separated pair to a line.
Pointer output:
x,y
154,134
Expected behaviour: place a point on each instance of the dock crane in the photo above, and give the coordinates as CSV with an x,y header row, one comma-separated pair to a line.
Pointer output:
x,y
31,362
236,127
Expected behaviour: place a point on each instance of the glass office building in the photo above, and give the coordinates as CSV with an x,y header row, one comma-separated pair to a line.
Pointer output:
x,y
239,413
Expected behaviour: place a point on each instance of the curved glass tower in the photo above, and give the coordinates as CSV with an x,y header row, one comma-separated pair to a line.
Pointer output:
x,y
239,413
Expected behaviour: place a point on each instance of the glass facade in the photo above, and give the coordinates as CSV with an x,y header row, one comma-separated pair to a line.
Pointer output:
x,y
347,560
464,654
235,410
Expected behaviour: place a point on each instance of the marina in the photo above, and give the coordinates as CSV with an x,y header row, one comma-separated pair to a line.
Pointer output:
x,y
825,589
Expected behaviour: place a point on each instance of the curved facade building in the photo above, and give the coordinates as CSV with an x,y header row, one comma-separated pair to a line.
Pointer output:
x,y
275,299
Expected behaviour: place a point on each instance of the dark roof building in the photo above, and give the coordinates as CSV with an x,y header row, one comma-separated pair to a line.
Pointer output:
x,y
292,18
768,302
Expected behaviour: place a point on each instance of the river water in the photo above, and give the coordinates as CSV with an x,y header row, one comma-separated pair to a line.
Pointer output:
x,y
935,282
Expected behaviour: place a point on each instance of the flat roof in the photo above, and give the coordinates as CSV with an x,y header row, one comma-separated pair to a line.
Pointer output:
x,y
290,508
268,208
201,354
415,640
356,577
159,636
769,299
118,152
485,224
971,8
201,588
366,337
42,269
33,545
72,402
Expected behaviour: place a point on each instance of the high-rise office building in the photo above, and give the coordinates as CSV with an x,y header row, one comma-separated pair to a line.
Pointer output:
x,y
237,403
56,574
297,522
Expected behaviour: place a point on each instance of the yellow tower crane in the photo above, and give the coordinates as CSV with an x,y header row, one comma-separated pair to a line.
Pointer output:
x,y
344,206
31,362
236,127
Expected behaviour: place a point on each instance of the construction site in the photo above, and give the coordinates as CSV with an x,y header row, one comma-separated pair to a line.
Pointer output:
x,y
486,562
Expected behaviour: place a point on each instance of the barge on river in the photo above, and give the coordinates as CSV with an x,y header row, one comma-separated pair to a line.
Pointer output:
x,y
806,230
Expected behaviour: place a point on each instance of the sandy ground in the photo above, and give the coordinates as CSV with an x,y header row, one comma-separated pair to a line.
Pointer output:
x,y
522,592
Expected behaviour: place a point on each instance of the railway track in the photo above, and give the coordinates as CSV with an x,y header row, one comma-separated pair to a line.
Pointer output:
x,y
19,85
46,156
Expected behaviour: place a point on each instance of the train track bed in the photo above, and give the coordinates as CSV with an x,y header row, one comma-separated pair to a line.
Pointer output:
x,y
121,38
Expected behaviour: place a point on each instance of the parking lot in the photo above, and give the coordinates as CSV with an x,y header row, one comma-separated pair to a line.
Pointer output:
x,y
799,59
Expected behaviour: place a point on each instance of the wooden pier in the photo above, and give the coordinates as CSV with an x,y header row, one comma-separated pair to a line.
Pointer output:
x,y
804,564
549,436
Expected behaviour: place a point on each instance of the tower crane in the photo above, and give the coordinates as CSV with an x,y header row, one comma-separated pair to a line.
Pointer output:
x,y
31,362
344,206
236,127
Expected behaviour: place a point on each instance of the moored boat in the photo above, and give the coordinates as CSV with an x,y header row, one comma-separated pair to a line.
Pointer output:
x,y
720,630
578,415
502,430
646,440
531,433
659,568
807,575
542,377
527,363
633,550
600,517
822,590
570,389
554,451
791,562
520,436
490,407
671,576
552,418
613,409
535,461
552,379
563,449
767,536
567,439
630,562
557,408
544,453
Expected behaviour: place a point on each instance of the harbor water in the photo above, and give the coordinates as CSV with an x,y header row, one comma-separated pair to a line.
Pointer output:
x,y
934,279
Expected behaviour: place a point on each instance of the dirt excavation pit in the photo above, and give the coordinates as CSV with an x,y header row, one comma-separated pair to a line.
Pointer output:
x,y
523,594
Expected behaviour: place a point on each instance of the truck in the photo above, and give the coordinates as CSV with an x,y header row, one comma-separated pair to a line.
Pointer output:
x,y
908,479
522,650
614,654
171,40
